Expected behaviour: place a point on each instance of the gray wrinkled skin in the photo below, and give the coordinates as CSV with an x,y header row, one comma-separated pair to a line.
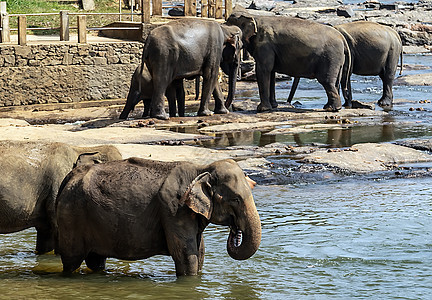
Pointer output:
x,y
136,208
31,176
296,47
183,49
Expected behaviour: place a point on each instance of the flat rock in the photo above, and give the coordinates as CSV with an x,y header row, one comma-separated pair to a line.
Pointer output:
x,y
416,79
233,127
73,134
13,122
419,144
368,157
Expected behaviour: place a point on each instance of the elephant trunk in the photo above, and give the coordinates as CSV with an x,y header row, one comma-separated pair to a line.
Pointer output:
x,y
243,241
132,100
232,80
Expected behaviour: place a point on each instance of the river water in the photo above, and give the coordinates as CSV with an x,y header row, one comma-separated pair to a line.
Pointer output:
x,y
332,237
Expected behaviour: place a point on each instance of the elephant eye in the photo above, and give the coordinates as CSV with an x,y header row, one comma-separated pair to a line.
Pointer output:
x,y
236,200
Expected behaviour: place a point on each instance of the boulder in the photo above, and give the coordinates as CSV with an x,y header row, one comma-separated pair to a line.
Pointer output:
x,y
177,11
262,5
345,11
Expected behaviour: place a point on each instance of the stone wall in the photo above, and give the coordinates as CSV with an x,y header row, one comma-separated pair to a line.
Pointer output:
x,y
54,73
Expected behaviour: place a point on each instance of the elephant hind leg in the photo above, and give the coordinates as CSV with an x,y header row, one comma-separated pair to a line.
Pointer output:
x,y
386,100
347,95
334,101
95,262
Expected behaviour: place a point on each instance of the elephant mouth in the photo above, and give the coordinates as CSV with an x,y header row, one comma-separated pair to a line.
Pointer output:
x,y
235,237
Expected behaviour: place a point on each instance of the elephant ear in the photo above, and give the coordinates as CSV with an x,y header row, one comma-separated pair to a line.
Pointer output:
x,y
88,159
248,27
198,195
234,37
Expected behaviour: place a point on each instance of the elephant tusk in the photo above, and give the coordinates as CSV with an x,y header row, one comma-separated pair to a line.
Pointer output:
x,y
251,183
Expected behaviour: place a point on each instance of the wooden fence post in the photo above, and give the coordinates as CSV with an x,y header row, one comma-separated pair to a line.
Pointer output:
x,y
211,8
22,30
218,9
82,29
190,8
157,7
204,8
228,8
145,11
4,23
64,25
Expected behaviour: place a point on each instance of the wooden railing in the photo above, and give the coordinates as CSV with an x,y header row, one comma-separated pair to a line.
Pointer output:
x,y
209,9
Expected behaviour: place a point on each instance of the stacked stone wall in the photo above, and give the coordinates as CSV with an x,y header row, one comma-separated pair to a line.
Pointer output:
x,y
62,73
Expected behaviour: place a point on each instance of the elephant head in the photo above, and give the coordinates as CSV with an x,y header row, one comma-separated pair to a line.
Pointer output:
x,y
141,88
222,194
245,22
230,62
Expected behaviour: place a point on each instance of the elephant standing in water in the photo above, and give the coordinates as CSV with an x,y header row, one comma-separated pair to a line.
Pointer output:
x,y
31,176
296,47
187,48
375,50
138,208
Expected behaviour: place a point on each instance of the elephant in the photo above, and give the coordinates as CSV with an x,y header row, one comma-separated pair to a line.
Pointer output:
x,y
375,50
31,176
137,208
141,88
296,47
186,48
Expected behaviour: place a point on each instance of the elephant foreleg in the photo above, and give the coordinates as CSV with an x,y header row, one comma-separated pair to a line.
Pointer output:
x,y
273,101
264,69
95,262
171,96
263,79
71,263
219,103
208,86
180,96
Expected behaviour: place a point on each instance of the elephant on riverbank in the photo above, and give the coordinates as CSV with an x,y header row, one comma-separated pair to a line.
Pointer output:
x,y
295,47
137,208
141,88
31,176
375,50
187,48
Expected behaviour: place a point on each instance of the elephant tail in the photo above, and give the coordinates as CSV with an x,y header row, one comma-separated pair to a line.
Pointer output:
x,y
401,61
146,54
346,69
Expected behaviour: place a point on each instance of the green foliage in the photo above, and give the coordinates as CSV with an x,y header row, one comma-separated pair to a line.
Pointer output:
x,y
35,6
40,6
